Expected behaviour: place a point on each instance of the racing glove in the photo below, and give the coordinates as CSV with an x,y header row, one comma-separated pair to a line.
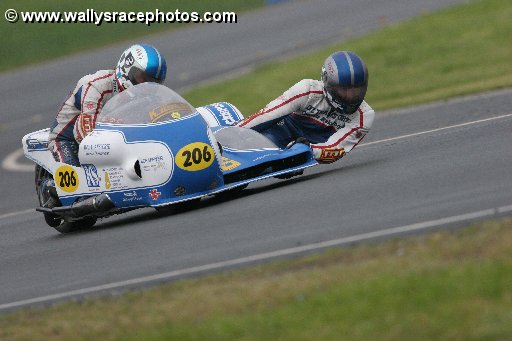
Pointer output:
x,y
301,139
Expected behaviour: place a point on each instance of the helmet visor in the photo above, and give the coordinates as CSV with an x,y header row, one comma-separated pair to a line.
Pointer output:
x,y
346,99
346,94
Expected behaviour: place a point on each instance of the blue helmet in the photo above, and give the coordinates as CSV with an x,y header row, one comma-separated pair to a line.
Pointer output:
x,y
138,64
345,78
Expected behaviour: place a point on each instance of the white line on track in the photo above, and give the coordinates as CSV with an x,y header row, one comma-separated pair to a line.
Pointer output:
x,y
262,256
12,214
436,130
11,163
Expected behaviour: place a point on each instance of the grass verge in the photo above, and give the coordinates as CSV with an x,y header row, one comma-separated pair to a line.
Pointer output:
x,y
461,50
447,285
24,43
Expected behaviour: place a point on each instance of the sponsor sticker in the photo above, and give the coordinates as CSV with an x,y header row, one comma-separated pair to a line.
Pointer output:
x,y
331,155
131,196
91,175
154,194
86,123
195,157
228,164
66,179
153,163
108,184
169,111
114,178
98,149
35,144
225,114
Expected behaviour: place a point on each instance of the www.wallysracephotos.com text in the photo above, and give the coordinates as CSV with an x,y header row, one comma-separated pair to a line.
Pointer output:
x,y
91,16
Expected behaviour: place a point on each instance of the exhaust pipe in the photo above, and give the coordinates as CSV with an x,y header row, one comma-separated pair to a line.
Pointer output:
x,y
90,206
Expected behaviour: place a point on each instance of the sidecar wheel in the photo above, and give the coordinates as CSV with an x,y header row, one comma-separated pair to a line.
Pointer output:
x,y
232,193
81,224
179,207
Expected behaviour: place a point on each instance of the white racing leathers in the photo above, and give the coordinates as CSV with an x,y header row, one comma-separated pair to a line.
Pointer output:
x,y
77,116
303,111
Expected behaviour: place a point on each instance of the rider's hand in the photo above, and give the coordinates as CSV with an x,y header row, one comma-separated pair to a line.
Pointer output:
x,y
301,139
330,155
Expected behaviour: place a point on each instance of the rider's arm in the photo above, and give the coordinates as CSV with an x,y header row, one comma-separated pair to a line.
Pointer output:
x,y
345,139
290,101
92,96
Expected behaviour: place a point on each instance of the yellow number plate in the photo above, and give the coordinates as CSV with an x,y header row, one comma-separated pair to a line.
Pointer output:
x,y
66,179
195,156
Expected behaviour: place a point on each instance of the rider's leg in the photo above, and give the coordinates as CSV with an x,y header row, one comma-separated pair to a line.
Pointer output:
x,y
65,151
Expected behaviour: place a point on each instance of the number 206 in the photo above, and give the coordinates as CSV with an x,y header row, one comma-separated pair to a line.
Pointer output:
x,y
67,179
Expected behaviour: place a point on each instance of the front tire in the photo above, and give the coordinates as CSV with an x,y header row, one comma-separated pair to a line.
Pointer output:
x,y
42,178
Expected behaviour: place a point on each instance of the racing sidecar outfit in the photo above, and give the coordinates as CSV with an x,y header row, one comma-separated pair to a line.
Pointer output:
x,y
77,116
303,111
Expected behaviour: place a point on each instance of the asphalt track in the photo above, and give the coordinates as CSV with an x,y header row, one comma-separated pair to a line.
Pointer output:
x,y
436,165
30,97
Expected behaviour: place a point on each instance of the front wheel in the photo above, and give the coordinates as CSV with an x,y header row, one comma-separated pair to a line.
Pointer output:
x,y
47,196
44,183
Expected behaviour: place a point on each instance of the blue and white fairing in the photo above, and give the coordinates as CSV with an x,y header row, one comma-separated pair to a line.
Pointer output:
x,y
150,148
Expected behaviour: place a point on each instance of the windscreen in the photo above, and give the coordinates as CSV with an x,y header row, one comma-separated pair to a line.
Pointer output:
x,y
145,103
242,138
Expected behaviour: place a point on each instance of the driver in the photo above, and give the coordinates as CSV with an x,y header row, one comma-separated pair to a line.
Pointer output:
x,y
330,115
77,116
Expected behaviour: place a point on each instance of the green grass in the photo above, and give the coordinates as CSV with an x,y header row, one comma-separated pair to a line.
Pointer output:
x,y
461,50
23,43
442,286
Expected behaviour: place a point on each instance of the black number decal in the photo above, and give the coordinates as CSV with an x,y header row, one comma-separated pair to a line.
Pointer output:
x,y
188,156
196,156
66,179
61,175
207,156
73,178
